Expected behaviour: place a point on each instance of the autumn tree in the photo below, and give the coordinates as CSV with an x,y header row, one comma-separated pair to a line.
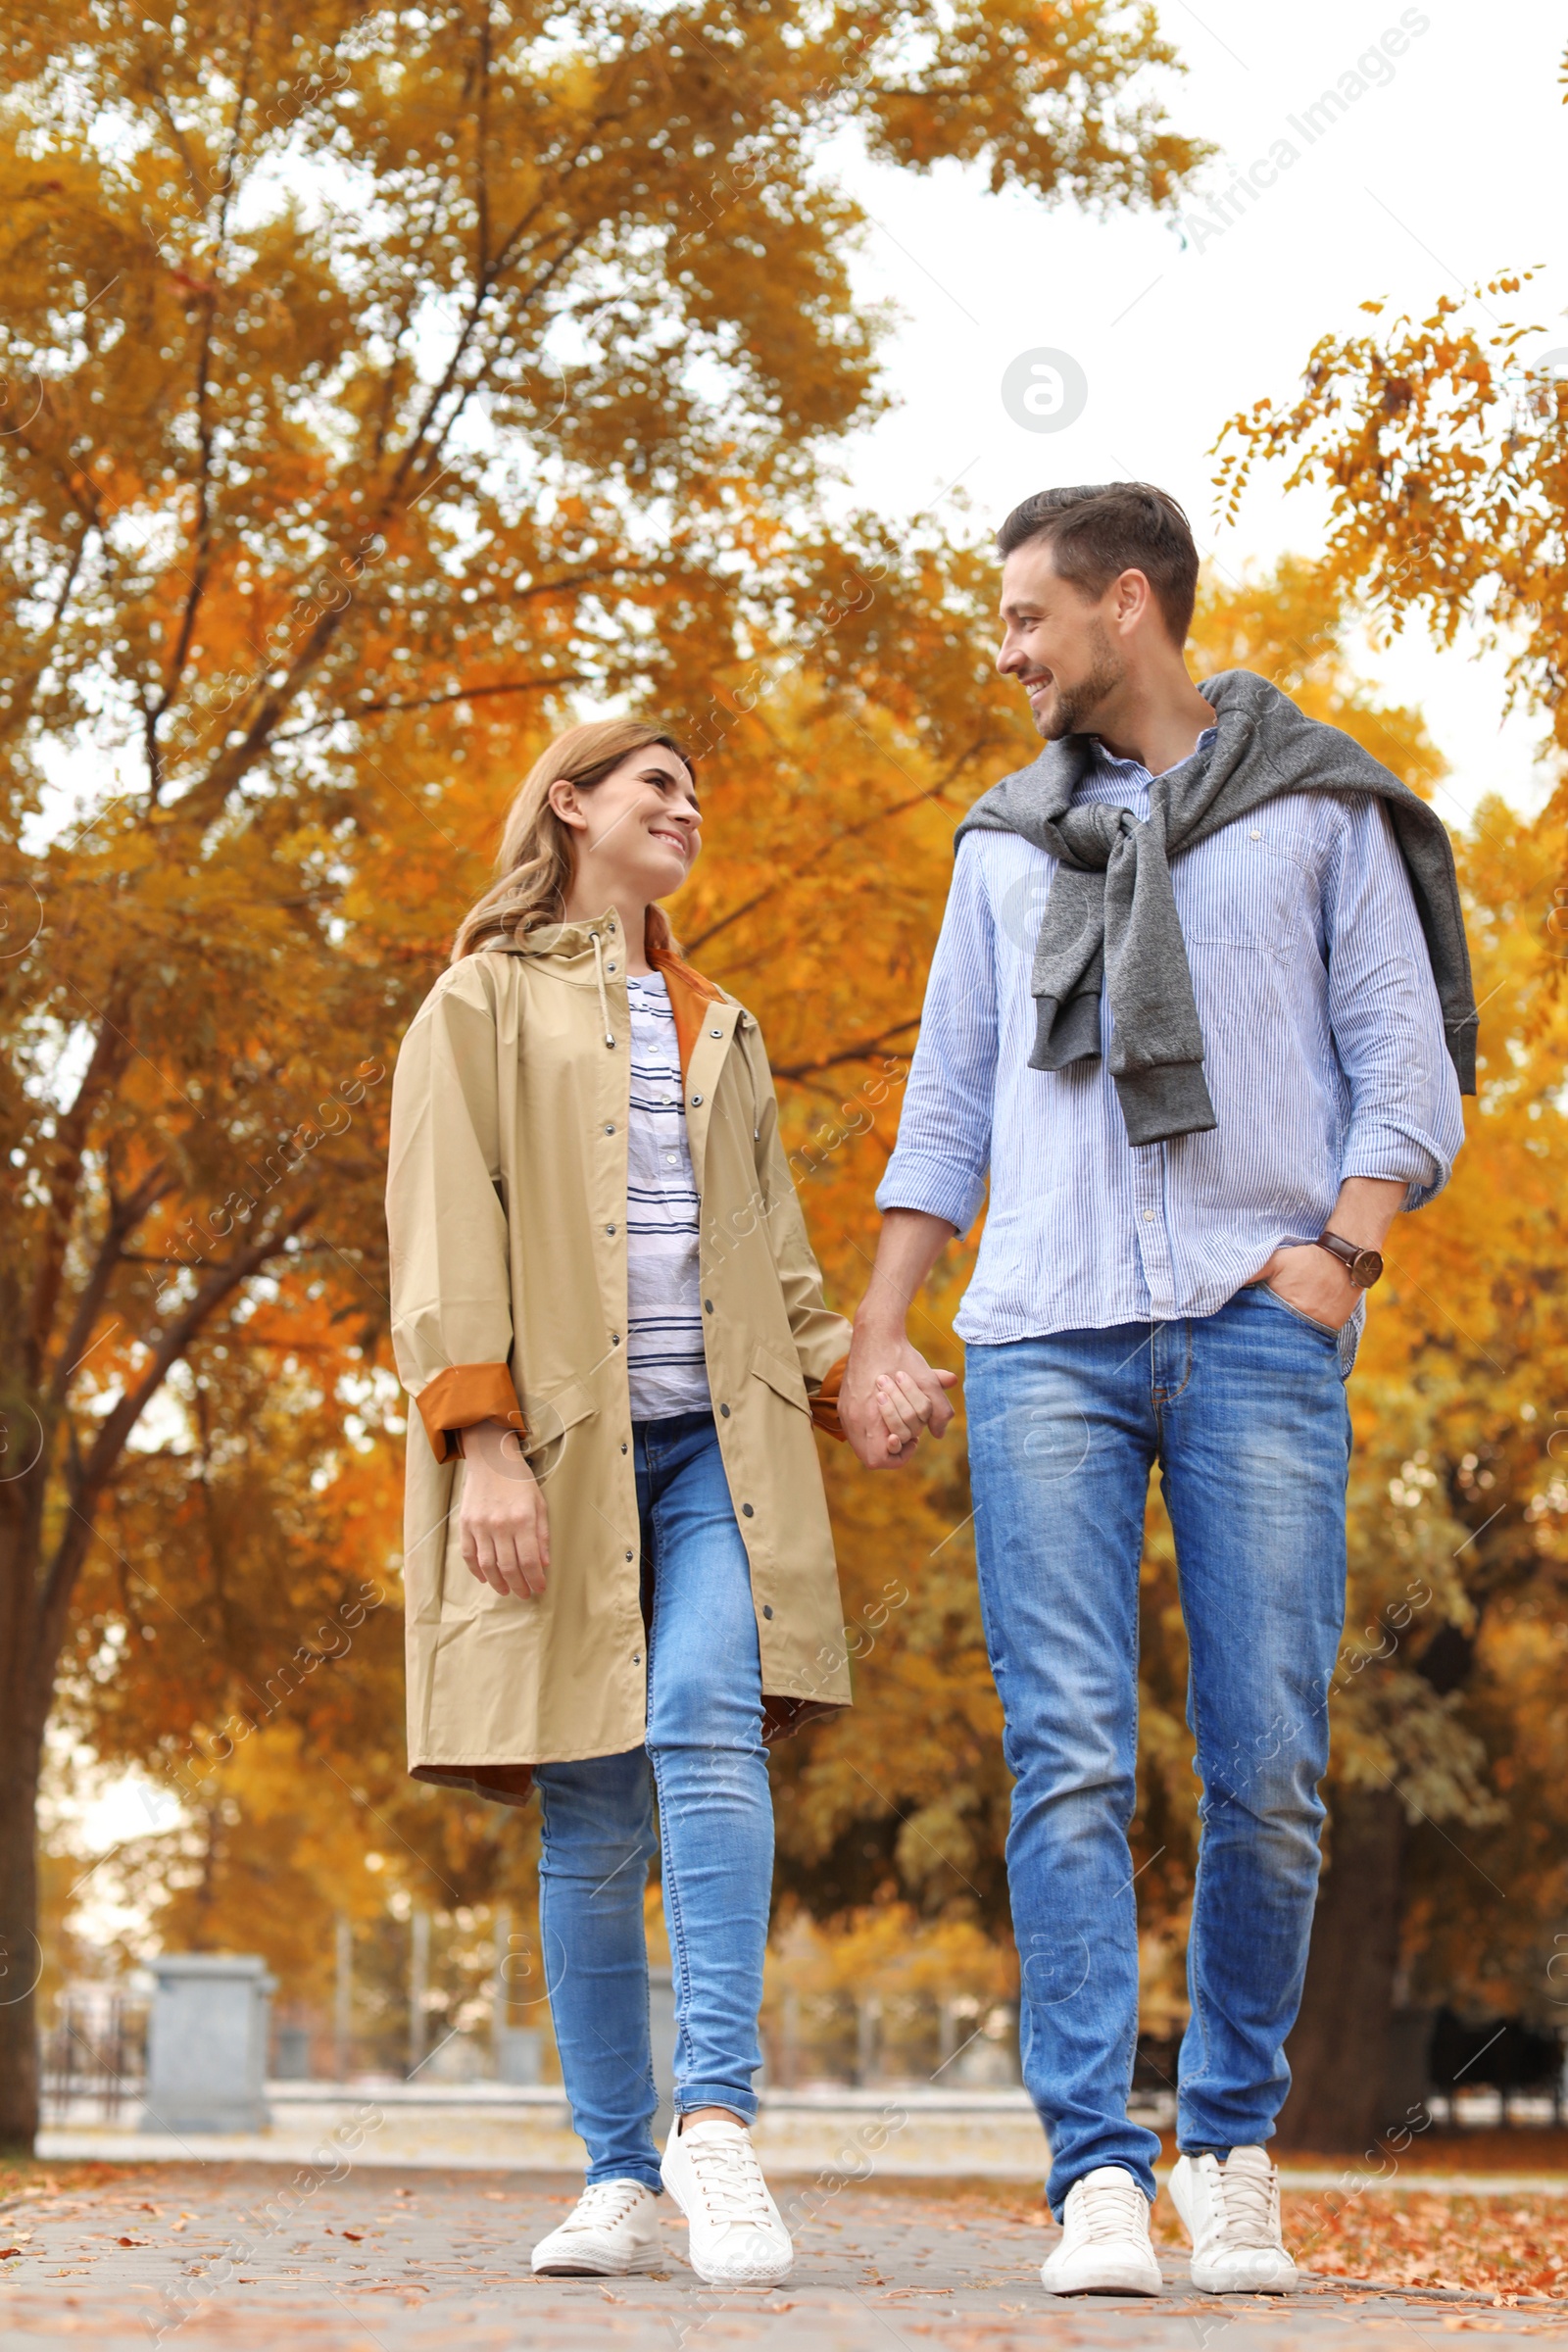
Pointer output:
x,y
1444,458
376,380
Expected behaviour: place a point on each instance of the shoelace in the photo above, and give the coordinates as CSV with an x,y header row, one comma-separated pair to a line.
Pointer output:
x,y
1113,2209
730,2180
1247,2198
604,2202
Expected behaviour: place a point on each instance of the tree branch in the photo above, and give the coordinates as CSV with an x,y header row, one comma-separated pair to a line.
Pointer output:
x,y
862,1052
94,1476
433,702
124,1217
110,1050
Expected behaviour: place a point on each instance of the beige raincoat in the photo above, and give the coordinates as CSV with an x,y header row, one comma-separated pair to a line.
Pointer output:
x,y
506,1207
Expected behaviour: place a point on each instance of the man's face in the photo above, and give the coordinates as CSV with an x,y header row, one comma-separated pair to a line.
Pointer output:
x,y
1057,642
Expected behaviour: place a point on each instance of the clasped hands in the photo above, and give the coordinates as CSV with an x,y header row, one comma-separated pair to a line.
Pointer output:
x,y
890,1393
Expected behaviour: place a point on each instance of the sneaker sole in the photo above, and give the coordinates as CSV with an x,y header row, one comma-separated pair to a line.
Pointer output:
x,y
760,2278
1227,2282
1142,2286
595,2270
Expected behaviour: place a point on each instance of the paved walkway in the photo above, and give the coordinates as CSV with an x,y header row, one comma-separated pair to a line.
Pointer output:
x,y
234,2257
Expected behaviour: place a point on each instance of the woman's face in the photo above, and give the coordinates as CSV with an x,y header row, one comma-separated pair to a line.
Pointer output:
x,y
636,835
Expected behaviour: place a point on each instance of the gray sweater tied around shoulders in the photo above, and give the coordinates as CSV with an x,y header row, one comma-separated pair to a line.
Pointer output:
x,y
1110,919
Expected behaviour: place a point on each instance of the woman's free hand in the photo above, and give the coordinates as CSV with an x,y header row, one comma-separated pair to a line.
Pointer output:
x,y
503,1523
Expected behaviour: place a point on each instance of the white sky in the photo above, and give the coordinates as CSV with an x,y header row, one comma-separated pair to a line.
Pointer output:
x,y
1450,172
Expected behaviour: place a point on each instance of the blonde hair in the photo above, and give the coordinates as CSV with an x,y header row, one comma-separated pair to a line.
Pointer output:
x,y
535,863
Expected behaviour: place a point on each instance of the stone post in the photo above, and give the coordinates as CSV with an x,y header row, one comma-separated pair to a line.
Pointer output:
x,y
207,2043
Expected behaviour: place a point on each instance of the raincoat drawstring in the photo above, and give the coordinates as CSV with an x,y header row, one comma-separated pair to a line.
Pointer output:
x,y
604,1001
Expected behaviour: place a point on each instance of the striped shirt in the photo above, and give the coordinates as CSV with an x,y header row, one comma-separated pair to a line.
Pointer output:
x,y
1324,1057
664,1358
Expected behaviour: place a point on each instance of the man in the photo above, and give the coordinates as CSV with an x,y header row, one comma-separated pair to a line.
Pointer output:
x,y
1202,1007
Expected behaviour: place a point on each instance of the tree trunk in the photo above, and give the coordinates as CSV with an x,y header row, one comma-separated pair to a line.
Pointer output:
x,y
1339,2052
21,1955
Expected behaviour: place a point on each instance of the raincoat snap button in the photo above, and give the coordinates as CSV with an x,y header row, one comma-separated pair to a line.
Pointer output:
x,y
767,1608
610,1130
624,1450
724,1412
746,1512
636,1657
707,1306
629,1555
715,1033
615,1338
610,1229
696,1101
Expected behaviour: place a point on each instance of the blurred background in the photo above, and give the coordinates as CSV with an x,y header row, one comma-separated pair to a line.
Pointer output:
x,y
382,392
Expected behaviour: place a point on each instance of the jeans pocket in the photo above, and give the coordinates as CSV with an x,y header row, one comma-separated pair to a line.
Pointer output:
x,y
1344,1341
1324,1331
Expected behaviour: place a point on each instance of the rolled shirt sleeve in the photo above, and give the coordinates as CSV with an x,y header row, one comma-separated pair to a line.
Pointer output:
x,y
942,1153
1406,1122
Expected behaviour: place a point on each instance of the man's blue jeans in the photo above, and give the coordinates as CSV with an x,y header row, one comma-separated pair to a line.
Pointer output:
x,y
1245,1412
715,1824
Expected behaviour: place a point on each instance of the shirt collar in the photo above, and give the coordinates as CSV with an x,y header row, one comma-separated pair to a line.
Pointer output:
x,y
1133,769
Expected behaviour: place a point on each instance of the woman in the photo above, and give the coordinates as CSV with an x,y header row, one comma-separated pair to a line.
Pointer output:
x,y
607,1310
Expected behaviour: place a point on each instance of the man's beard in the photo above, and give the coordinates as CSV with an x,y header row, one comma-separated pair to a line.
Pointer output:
x,y
1077,702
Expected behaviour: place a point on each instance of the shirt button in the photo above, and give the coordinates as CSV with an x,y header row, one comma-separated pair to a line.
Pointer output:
x,y
1256,835
723,1412
1148,1216
746,1512
767,1608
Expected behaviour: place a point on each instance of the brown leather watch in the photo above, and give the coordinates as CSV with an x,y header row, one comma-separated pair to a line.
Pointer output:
x,y
1363,1267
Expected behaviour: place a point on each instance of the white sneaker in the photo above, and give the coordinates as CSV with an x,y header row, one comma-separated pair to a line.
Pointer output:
x,y
1104,2247
611,2229
738,2236
1232,2215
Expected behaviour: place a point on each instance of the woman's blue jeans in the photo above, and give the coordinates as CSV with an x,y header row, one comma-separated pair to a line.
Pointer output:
x,y
715,1824
1245,1412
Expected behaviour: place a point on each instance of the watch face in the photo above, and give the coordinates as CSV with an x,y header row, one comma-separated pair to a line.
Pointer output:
x,y
1367,1269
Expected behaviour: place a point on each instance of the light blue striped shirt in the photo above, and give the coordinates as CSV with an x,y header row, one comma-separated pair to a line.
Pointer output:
x,y
1324,1057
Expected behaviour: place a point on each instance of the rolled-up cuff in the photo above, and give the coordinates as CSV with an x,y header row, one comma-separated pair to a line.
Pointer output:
x,y
936,1187
825,1400
463,1395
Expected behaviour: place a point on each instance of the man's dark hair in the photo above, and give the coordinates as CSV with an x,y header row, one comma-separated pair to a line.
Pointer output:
x,y
1101,530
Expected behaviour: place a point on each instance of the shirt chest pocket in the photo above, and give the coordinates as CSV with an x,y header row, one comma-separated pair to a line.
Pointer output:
x,y
1249,885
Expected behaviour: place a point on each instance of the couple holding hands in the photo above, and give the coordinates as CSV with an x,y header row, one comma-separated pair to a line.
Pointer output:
x,y
1222,1048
